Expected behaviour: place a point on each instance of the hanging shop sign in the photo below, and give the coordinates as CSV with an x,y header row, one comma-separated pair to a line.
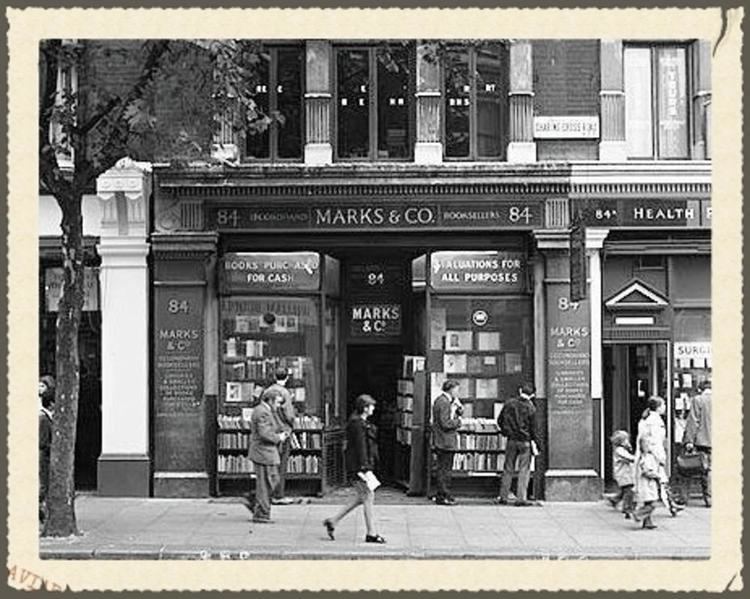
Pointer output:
x,y
578,271
526,214
644,213
566,127
497,272
53,286
374,320
269,271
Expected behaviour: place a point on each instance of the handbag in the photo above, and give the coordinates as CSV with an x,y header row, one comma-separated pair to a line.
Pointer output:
x,y
692,464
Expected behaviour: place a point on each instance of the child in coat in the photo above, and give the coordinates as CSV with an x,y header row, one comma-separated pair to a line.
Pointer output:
x,y
648,483
623,469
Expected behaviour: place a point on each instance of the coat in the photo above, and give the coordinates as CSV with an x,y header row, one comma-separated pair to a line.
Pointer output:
x,y
623,466
653,427
444,426
285,413
45,444
698,427
361,445
647,483
517,420
264,436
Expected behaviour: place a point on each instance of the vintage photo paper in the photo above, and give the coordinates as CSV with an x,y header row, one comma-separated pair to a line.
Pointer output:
x,y
204,539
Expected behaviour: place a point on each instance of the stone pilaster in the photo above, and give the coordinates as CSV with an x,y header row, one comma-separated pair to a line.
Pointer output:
x,y
701,99
318,103
612,146
124,465
521,103
428,148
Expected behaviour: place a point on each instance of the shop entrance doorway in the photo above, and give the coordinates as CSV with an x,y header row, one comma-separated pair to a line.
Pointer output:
x,y
633,372
374,369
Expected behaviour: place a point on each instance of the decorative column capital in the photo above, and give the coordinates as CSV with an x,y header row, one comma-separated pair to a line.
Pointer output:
x,y
595,237
123,192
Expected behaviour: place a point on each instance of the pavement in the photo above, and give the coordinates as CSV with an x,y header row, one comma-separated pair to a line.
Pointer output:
x,y
220,528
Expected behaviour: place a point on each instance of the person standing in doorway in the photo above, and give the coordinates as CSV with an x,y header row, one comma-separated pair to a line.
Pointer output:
x,y
446,420
517,422
698,435
361,460
285,416
265,437
46,392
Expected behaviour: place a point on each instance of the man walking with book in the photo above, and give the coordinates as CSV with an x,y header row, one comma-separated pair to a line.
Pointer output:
x,y
446,413
285,417
265,437
517,422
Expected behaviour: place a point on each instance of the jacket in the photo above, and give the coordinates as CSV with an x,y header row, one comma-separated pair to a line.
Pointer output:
x,y
444,426
361,445
264,436
285,413
45,444
517,420
653,427
698,427
647,484
623,466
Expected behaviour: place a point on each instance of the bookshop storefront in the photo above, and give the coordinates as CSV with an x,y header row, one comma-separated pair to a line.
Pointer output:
x,y
388,300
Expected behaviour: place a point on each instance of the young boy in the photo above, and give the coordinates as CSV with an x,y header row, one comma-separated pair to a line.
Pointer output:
x,y
623,467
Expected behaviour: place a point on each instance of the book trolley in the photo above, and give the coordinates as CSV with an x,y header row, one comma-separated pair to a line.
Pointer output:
x,y
278,310
410,425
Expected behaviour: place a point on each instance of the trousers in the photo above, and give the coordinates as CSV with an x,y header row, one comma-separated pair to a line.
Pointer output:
x,y
280,489
266,480
443,474
516,451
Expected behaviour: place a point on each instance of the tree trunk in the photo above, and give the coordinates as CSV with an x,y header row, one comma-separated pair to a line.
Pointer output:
x,y
61,519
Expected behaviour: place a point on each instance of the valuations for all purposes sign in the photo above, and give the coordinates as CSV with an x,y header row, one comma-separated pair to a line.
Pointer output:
x,y
499,272
269,271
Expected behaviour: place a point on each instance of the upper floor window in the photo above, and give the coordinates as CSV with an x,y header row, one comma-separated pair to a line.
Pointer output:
x,y
278,95
375,102
66,97
656,104
475,100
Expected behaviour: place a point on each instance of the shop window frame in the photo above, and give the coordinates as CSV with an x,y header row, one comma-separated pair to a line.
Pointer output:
x,y
274,130
372,98
473,112
653,48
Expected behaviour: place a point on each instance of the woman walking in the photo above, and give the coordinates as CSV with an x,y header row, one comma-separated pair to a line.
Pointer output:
x,y
361,457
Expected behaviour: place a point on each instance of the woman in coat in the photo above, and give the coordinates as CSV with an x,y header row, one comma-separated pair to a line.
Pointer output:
x,y
361,457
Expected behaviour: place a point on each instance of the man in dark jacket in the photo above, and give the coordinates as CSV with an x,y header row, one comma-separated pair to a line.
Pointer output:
x,y
46,401
446,412
265,437
517,423
698,435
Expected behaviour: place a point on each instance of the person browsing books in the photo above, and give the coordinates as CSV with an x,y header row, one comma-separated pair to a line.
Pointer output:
x,y
265,437
517,422
361,460
285,415
446,420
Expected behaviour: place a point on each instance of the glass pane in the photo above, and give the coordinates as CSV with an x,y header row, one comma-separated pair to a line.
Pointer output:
x,y
638,116
394,103
672,82
353,103
258,133
289,102
457,104
491,94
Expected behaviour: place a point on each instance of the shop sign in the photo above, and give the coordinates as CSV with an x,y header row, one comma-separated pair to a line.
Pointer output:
x,y
480,317
374,320
645,213
696,354
53,286
498,272
430,216
566,127
374,280
578,271
271,271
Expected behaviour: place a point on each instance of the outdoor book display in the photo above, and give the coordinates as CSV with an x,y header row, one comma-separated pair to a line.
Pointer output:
x,y
480,333
278,310
410,429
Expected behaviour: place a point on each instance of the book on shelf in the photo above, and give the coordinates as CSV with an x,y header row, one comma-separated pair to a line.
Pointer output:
x,y
303,421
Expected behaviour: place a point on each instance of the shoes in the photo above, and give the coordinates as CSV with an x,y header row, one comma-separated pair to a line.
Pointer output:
x,y
263,521
329,528
451,501
247,504
648,524
524,503
627,515
707,501
501,501
675,509
442,501
374,539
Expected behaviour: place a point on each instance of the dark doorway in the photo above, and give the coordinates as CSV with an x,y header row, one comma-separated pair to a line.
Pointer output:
x,y
374,369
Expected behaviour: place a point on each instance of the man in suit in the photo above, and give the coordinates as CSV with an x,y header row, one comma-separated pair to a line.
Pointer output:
x,y
698,435
285,416
265,437
517,422
446,419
